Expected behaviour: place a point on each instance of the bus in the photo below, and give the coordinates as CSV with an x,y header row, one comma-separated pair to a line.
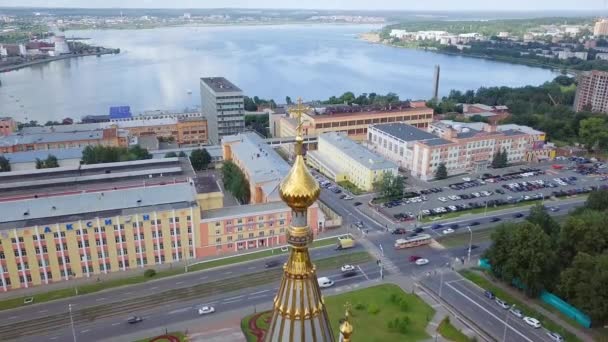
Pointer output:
x,y
418,240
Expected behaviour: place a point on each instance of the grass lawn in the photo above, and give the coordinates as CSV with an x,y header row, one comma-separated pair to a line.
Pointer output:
x,y
448,331
462,239
372,310
138,279
352,188
481,281
170,337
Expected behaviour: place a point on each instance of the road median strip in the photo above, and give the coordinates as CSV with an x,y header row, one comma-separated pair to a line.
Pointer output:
x,y
200,291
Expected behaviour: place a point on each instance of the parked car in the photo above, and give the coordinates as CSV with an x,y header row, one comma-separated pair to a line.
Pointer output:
x,y
518,215
555,336
448,231
414,258
533,322
495,219
489,294
422,261
134,319
502,303
356,204
418,230
516,312
474,223
205,310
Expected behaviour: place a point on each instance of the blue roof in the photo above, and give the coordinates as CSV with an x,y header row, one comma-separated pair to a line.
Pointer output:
x,y
120,112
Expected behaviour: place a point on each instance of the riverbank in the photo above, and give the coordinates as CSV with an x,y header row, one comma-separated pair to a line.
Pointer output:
x,y
374,38
52,59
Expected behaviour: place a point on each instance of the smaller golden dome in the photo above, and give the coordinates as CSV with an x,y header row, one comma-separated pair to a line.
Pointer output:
x,y
299,189
346,329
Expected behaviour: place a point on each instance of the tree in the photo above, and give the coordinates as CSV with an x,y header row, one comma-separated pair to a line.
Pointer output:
x,y
597,200
500,159
523,253
235,182
182,154
109,154
39,164
288,100
51,162
594,133
170,155
584,285
585,232
539,216
390,185
200,159
441,172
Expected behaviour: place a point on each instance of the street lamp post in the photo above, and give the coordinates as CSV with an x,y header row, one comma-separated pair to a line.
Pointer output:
x,y
470,243
72,322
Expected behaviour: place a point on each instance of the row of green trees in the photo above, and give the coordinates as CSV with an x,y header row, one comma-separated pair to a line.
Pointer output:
x,y
5,165
109,154
500,159
258,123
253,103
236,182
363,99
569,259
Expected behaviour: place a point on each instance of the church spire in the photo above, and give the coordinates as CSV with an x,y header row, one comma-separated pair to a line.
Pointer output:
x,y
299,312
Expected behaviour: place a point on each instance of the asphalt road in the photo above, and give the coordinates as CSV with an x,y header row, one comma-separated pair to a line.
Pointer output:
x,y
469,300
151,287
245,300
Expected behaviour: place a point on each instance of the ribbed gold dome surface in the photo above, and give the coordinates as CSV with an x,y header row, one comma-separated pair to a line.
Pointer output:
x,y
299,189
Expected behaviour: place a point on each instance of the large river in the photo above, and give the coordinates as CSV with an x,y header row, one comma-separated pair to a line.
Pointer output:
x,y
157,68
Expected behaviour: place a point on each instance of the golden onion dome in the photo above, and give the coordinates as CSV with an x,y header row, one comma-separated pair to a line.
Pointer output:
x,y
299,189
346,329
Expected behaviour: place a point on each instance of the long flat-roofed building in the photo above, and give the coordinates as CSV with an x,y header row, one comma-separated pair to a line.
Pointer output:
x,y
59,140
223,104
462,147
353,120
342,159
261,164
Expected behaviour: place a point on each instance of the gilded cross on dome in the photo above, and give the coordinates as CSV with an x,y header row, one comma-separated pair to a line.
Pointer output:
x,y
297,112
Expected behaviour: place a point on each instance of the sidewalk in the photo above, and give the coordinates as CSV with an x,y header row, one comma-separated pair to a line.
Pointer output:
x,y
550,315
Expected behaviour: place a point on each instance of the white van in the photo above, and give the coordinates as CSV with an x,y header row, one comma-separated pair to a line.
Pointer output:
x,y
325,282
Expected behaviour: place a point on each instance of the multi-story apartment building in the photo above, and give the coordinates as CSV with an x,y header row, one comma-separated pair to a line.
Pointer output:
x,y
592,92
59,140
352,120
185,128
260,163
601,28
222,103
463,148
7,126
342,159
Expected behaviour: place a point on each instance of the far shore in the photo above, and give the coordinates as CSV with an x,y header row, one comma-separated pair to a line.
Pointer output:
x,y
14,67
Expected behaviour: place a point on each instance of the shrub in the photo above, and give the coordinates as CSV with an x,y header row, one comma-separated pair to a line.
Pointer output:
x,y
149,273
394,298
399,325
360,306
404,306
373,309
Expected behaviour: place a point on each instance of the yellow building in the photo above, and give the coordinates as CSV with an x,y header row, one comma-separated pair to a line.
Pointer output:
x,y
340,158
50,239
352,120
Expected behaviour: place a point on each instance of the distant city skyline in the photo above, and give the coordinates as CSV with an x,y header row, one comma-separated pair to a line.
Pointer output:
x,y
429,5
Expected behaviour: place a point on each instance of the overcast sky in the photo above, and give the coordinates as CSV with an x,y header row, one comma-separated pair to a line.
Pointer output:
x,y
429,5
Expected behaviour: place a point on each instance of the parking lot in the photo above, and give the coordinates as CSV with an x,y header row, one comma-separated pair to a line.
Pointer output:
x,y
493,189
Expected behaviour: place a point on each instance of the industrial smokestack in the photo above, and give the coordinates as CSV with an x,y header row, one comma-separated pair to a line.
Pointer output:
x,y
436,82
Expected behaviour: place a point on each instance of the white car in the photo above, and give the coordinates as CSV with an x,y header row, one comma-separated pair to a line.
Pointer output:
x,y
555,336
448,231
347,268
466,179
325,282
516,312
348,198
442,199
533,322
205,310
502,303
422,261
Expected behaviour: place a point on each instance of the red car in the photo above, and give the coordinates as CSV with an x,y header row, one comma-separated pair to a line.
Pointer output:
x,y
413,258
